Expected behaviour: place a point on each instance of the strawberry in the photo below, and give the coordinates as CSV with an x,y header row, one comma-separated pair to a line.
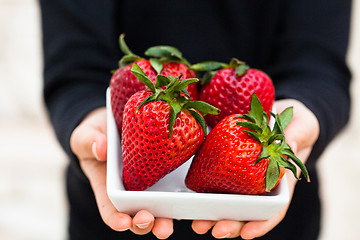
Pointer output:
x,y
242,155
161,130
124,84
229,87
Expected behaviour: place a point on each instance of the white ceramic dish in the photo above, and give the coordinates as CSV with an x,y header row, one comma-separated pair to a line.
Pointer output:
x,y
170,198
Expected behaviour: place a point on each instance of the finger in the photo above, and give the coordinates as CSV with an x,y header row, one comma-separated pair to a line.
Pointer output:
x,y
298,138
256,229
114,219
95,172
99,148
227,229
89,139
202,226
143,222
163,228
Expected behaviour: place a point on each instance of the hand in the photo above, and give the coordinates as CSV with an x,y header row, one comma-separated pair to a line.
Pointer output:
x,y
301,134
89,143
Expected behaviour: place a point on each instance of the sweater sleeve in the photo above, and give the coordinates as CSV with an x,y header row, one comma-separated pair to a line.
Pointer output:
x,y
309,63
80,50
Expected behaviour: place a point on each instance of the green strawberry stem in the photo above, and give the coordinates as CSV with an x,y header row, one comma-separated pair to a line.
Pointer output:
x,y
274,147
123,46
208,66
129,56
239,66
172,95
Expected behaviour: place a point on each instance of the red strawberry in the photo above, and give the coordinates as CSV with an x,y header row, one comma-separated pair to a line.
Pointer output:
x,y
242,155
230,88
161,130
124,84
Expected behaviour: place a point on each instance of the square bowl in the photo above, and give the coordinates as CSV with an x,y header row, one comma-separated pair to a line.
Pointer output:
x,y
170,197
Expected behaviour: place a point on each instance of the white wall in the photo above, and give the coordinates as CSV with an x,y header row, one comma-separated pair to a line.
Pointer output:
x,y
32,197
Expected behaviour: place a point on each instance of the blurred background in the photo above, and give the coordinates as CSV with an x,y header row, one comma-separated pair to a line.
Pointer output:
x,y
32,194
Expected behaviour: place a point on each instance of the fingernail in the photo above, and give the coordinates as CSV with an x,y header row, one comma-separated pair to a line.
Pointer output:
x,y
123,229
226,236
94,151
143,225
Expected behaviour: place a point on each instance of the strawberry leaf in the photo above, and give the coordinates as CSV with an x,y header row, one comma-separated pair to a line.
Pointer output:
x,y
172,85
184,83
200,119
254,135
275,137
208,66
156,64
127,59
277,128
251,126
266,131
202,107
298,162
175,109
186,92
272,174
288,165
163,51
167,53
138,72
246,117
263,155
161,81
256,110
206,78
241,69
285,117
256,113
146,100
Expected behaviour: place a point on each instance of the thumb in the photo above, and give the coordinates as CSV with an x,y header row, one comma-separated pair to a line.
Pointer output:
x,y
303,130
89,140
